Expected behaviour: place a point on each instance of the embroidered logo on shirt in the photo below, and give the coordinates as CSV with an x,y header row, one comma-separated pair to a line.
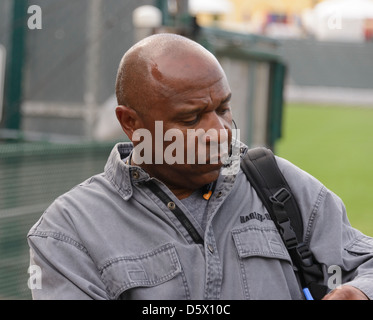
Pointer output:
x,y
255,215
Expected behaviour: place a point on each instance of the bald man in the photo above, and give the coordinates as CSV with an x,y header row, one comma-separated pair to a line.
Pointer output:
x,y
164,221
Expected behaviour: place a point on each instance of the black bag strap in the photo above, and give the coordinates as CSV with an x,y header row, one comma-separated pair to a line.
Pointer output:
x,y
260,167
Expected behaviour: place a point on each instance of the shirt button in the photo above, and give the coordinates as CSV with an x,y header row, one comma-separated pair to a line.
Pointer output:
x,y
171,205
135,174
211,248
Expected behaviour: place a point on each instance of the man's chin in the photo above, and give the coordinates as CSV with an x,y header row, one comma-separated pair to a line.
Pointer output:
x,y
207,168
207,173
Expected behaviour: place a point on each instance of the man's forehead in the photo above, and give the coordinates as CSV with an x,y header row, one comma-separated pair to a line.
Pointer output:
x,y
188,106
180,75
186,65
195,91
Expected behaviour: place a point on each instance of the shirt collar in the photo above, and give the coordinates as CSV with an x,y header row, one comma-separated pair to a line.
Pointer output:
x,y
120,173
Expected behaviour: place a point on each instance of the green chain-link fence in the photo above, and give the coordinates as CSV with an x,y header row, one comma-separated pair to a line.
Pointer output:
x,y
32,175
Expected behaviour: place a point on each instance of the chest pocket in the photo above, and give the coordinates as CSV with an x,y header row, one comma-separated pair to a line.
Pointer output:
x,y
153,275
265,264
360,246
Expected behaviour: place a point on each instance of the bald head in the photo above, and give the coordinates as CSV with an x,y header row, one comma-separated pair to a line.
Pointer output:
x,y
161,66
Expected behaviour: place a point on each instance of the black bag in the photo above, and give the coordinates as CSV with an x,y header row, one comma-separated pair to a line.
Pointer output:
x,y
260,167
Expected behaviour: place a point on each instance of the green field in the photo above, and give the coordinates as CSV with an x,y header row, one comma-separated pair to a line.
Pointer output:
x,y
334,144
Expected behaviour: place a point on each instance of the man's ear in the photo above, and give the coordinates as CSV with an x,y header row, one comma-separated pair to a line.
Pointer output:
x,y
128,119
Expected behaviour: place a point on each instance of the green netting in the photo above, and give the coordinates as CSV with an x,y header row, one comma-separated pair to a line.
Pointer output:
x,y
32,175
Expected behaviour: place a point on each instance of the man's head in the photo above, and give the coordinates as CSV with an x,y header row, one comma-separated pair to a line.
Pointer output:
x,y
174,81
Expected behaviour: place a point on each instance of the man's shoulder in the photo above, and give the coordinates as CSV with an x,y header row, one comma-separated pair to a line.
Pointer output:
x,y
296,175
306,188
308,191
73,207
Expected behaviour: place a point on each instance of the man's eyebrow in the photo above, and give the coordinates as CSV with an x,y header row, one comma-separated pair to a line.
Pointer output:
x,y
202,105
227,99
198,106
190,111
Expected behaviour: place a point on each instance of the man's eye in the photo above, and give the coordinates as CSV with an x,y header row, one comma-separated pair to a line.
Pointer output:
x,y
191,122
224,111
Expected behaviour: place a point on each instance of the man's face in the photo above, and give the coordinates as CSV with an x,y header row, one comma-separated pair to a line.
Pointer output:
x,y
195,103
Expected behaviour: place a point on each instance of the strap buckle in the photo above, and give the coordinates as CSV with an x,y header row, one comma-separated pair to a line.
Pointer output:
x,y
288,234
280,197
305,254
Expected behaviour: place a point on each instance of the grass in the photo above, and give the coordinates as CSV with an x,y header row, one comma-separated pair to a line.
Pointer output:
x,y
335,145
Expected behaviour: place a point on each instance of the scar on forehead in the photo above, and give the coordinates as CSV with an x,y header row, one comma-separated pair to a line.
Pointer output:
x,y
155,71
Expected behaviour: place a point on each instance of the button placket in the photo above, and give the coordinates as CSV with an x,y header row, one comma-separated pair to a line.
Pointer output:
x,y
213,265
214,269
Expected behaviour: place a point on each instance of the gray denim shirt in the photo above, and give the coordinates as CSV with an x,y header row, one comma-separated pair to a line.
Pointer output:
x,y
113,237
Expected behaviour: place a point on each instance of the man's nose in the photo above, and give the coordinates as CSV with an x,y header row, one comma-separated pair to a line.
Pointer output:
x,y
216,124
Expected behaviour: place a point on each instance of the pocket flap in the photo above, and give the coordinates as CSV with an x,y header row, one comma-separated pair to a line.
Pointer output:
x,y
145,270
361,245
256,240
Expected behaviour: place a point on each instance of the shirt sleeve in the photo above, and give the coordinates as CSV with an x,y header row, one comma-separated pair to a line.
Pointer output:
x,y
345,254
61,277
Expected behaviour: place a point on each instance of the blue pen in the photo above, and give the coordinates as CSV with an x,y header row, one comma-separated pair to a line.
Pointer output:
x,y
307,294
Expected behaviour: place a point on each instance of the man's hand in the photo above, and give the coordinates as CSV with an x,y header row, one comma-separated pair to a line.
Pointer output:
x,y
346,293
